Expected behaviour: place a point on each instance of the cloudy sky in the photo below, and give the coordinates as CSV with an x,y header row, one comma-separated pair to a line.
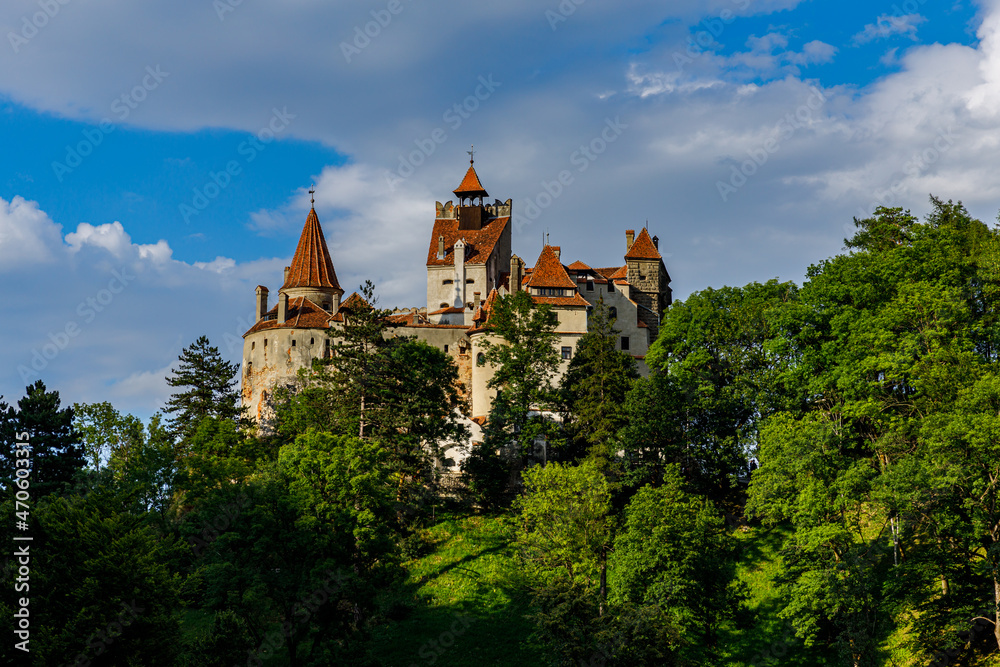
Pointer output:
x,y
157,157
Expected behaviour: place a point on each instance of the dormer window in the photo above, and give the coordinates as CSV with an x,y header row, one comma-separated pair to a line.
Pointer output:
x,y
549,291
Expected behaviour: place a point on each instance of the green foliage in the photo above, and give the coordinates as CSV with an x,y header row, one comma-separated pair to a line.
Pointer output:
x,y
716,372
207,383
563,522
525,361
56,451
674,553
596,383
888,472
399,391
102,585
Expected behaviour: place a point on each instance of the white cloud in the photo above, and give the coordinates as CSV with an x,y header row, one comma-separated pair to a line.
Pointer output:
x,y
888,25
27,235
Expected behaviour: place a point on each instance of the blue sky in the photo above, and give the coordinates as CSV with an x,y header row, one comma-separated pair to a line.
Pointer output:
x,y
176,142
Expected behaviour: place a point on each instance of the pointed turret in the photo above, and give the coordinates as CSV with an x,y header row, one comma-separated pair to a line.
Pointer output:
x,y
311,273
470,187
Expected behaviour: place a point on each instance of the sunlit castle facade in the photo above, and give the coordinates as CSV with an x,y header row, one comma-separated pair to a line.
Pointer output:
x,y
469,265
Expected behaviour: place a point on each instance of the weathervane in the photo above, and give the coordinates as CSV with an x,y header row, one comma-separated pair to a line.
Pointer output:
x,y
472,153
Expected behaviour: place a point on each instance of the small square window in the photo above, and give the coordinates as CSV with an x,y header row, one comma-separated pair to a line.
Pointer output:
x,y
590,285
624,342
567,353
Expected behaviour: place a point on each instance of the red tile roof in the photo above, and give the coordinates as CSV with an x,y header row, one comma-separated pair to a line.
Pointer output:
x,y
470,185
478,244
609,272
549,272
579,266
354,302
575,300
302,314
643,247
312,266
620,274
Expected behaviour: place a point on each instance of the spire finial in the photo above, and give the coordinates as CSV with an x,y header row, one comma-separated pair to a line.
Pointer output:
x,y
472,153
312,193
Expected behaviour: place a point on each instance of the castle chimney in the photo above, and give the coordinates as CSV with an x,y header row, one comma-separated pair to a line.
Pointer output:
x,y
336,303
629,239
282,308
261,302
441,247
287,269
656,242
515,273
558,252
475,301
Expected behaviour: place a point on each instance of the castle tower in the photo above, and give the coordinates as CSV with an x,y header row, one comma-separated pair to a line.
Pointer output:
x,y
289,335
469,251
648,278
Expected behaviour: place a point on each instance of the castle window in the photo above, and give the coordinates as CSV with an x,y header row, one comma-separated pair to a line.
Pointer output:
x,y
480,359
611,286
567,353
446,349
470,281
443,305
265,342
613,313
447,282
293,342
624,342
312,340
253,344
590,285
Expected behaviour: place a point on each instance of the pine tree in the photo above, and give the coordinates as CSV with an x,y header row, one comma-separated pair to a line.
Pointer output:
x,y
210,389
56,451
598,379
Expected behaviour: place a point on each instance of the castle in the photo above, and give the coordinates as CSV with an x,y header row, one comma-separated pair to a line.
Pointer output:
x,y
469,265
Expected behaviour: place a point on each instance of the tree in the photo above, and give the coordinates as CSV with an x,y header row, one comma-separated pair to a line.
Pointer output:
x,y
674,553
887,471
105,431
564,524
56,454
209,389
716,373
103,586
525,362
596,384
395,390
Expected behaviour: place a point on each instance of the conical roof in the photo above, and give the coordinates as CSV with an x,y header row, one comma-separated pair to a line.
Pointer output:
x,y
549,271
312,265
470,185
643,248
